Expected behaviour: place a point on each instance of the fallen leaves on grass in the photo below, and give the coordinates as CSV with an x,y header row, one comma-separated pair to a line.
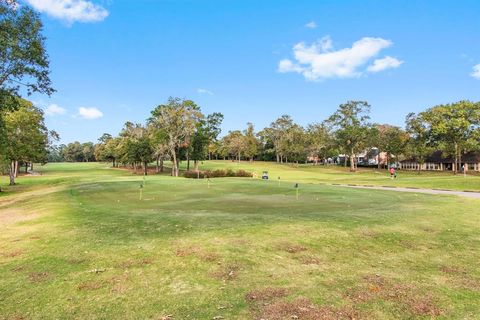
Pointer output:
x,y
38,276
291,248
197,252
376,287
265,295
227,272
90,286
304,309
460,278
131,263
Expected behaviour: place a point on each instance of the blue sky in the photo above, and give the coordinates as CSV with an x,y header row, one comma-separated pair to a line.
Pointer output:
x,y
114,61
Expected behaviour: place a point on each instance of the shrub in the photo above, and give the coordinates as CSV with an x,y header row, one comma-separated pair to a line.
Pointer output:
x,y
194,174
219,173
243,173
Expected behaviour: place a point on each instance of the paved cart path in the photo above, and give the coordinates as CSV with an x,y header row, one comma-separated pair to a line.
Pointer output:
x,y
467,194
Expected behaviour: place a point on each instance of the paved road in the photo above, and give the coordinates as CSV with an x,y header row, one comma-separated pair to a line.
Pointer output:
x,y
475,195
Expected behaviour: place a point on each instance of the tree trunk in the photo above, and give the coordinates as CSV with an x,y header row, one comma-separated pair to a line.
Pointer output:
x,y
31,166
157,167
16,169
455,165
278,158
12,173
145,168
161,165
352,161
26,167
195,165
174,163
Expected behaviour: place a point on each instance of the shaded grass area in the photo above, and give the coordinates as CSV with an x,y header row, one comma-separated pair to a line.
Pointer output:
x,y
239,249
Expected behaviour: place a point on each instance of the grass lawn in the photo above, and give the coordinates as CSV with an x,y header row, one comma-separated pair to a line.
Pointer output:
x,y
78,243
308,173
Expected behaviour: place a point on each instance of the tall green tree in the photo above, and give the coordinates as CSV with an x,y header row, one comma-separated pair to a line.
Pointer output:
x,y
351,126
391,140
27,137
277,134
135,146
295,144
206,134
177,120
318,140
23,58
419,145
234,144
454,127
251,142
24,62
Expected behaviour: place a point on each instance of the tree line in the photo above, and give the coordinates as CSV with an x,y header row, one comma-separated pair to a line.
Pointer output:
x,y
178,131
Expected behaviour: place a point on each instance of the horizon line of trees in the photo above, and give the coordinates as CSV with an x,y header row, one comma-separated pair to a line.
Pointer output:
x,y
179,131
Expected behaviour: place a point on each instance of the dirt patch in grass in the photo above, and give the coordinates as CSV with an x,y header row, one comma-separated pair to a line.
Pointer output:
x,y
209,256
407,244
291,247
14,317
304,309
429,230
119,283
265,295
240,242
368,233
132,263
13,254
460,277
18,268
310,260
452,270
227,272
376,287
12,216
423,306
38,276
198,252
184,252
90,286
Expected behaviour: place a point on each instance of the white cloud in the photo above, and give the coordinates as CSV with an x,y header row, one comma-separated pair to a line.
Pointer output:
x,y
89,113
71,10
320,61
384,63
311,25
53,110
476,72
205,91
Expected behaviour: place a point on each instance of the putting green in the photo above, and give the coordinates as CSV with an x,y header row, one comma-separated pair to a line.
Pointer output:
x,y
77,242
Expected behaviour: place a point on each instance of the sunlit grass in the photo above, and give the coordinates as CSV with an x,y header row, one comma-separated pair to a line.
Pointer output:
x,y
78,243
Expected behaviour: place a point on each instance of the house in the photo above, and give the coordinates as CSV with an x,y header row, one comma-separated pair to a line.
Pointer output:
x,y
368,158
438,162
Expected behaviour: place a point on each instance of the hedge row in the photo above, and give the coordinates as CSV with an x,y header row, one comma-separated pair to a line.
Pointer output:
x,y
217,174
